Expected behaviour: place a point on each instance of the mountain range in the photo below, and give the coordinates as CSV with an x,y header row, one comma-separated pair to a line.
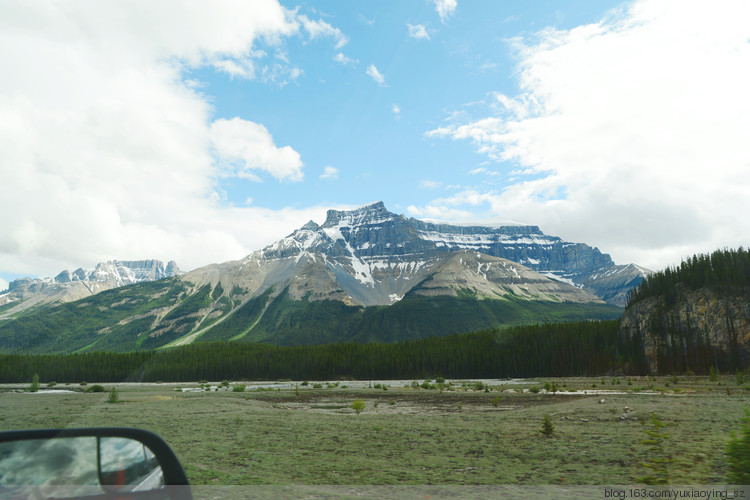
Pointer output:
x,y
363,275
67,286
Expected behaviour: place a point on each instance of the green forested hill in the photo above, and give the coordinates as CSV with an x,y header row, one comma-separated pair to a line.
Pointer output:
x,y
151,315
695,316
299,322
723,270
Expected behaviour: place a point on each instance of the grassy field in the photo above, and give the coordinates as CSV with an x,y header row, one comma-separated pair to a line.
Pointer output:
x,y
460,435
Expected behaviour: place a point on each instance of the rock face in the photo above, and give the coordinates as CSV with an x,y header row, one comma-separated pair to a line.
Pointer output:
x,y
703,328
73,285
376,255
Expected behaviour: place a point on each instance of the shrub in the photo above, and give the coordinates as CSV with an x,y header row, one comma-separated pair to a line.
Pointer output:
x,y
658,461
224,383
738,454
535,390
358,405
740,378
547,428
96,388
51,384
495,402
440,380
304,383
712,374
34,386
239,388
317,386
114,396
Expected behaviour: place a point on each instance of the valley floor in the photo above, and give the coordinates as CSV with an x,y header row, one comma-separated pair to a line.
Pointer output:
x,y
287,433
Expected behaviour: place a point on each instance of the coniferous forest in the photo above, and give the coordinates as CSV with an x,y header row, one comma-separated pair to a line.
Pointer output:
x,y
572,349
723,270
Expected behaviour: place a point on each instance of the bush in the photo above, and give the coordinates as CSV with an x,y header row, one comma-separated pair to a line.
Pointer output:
x,y
224,383
114,396
34,386
547,428
239,388
535,390
495,402
658,461
358,405
738,454
96,388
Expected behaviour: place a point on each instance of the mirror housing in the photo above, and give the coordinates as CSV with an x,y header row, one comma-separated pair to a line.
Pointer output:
x,y
97,462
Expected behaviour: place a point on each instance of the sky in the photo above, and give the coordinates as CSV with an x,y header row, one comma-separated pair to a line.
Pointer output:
x,y
202,131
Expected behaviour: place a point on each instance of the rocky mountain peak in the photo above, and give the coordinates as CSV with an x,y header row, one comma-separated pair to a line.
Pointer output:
x,y
368,214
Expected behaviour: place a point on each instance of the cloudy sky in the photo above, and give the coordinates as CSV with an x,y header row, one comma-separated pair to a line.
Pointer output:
x,y
201,131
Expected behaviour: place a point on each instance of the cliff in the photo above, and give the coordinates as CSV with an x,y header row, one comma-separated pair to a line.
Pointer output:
x,y
694,331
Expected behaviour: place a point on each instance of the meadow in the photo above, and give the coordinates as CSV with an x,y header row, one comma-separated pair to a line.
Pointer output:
x,y
457,432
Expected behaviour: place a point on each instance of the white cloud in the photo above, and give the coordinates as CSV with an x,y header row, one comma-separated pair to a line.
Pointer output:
x,y
321,28
3,285
634,129
428,184
418,31
342,59
373,72
484,171
396,109
445,8
242,146
330,173
106,152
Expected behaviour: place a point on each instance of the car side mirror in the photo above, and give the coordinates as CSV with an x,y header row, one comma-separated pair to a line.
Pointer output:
x,y
91,462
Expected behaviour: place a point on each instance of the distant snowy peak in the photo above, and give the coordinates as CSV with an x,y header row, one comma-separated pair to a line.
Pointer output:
x,y
122,272
73,285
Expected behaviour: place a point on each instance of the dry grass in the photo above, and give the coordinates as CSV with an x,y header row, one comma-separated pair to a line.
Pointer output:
x,y
408,436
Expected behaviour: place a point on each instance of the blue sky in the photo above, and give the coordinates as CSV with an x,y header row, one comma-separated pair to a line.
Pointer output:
x,y
336,115
202,131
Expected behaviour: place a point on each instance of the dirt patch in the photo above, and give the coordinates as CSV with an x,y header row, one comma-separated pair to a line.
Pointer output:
x,y
409,403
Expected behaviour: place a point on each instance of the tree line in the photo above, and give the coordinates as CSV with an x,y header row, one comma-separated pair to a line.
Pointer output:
x,y
572,349
725,271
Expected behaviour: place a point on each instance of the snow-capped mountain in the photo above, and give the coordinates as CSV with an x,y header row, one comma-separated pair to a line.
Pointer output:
x,y
370,256
73,285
